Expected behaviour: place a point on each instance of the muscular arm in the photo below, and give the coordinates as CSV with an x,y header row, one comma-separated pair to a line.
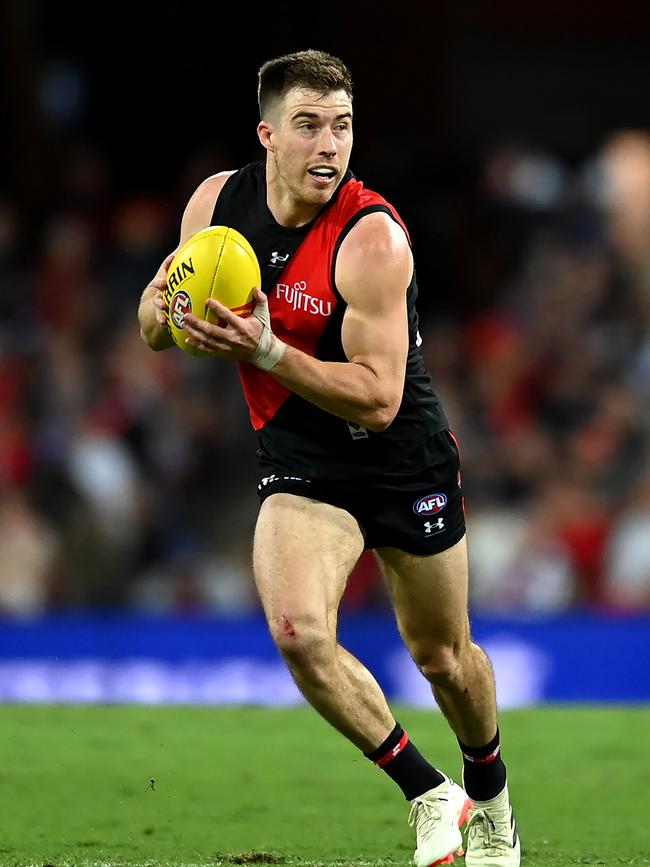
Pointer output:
x,y
373,271
197,215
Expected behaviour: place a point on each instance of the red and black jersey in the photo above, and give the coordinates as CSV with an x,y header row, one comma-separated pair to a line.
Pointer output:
x,y
298,267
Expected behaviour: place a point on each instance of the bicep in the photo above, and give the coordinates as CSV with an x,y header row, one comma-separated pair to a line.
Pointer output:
x,y
376,335
373,274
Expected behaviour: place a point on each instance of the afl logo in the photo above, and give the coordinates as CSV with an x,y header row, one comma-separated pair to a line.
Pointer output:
x,y
430,505
180,304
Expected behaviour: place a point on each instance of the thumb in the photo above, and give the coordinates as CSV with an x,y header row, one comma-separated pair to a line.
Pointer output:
x,y
261,309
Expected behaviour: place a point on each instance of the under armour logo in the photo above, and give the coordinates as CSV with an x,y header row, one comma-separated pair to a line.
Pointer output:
x,y
277,257
434,526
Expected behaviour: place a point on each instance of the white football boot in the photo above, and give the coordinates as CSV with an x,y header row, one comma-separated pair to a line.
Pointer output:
x,y
492,837
438,816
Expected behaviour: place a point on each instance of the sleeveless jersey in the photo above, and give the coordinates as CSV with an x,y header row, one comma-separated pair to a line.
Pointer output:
x,y
298,267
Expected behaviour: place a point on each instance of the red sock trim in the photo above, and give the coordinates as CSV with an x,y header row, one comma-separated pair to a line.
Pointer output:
x,y
395,751
486,759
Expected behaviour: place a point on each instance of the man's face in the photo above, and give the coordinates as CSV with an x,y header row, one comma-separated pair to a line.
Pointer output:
x,y
311,138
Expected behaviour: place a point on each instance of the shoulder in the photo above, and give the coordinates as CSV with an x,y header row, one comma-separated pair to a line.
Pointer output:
x,y
200,206
376,236
375,250
210,188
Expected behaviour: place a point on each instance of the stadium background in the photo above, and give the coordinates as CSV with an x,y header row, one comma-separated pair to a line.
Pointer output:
x,y
515,143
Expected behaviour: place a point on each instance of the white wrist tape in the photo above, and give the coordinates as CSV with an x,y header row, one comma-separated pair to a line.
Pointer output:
x,y
270,349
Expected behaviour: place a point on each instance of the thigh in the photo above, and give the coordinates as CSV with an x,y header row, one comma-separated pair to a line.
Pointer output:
x,y
429,595
303,553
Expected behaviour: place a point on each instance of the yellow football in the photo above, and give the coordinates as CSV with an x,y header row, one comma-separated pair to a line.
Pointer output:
x,y
217,262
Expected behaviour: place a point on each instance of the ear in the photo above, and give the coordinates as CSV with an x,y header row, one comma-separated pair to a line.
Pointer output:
x,y
265,135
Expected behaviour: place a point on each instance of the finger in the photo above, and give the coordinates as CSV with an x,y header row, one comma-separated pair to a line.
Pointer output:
x,y
224,313
214,351
259,296
200,328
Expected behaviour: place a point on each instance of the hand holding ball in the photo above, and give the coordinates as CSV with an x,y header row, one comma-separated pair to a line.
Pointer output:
x,y
217,262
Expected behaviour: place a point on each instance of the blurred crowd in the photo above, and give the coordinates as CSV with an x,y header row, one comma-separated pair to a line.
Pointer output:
x,y
128,477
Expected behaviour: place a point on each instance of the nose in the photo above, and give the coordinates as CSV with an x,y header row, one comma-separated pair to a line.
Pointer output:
x,y
327,143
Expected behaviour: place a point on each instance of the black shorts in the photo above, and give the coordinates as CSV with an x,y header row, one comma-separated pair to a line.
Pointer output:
x,y
420,513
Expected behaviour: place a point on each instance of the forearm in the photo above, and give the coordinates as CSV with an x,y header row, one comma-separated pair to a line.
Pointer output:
x,y
152,331
347,389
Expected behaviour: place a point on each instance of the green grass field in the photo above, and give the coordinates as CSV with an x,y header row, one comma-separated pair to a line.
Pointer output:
x,y
248,785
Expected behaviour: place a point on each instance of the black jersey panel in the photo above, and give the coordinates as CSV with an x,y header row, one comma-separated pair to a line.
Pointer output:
x,y
242,206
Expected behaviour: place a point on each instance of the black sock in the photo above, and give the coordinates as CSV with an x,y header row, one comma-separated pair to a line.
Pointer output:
x,y
484,773
403,763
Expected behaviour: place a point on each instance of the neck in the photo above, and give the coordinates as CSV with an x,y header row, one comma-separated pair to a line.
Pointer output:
x,y
285,208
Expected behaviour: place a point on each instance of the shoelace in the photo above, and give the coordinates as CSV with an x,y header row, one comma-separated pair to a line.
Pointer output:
x,y
425,814
492,835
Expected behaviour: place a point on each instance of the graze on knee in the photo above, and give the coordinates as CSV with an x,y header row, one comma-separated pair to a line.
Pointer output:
x,y
303,640
287,627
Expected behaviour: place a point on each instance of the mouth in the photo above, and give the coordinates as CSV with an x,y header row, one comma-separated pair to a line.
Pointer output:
x,y
323,175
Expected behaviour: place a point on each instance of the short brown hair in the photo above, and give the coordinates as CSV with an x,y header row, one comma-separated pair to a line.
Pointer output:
x,y
313,70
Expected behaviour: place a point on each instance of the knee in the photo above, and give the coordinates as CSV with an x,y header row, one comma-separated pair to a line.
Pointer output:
x,y
303,642
440,664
